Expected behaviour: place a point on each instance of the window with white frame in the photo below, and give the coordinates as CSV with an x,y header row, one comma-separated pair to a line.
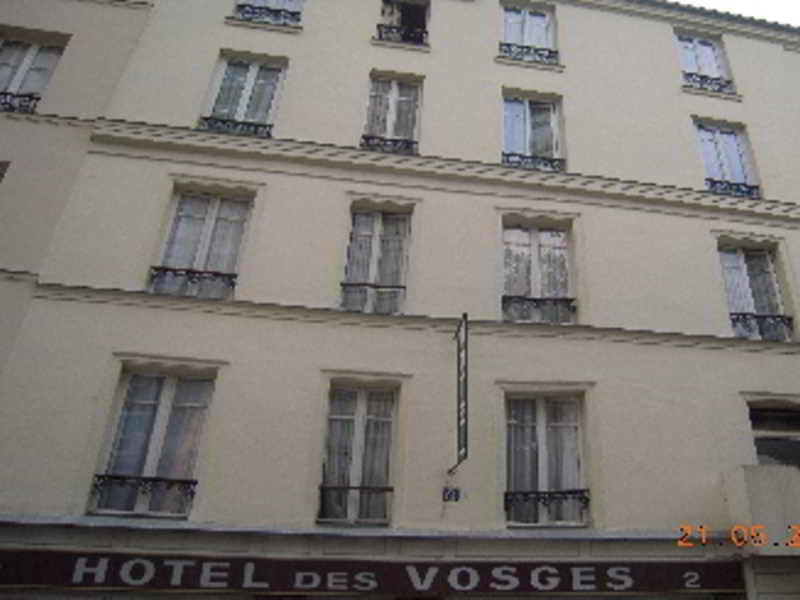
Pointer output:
x,y
528,35
776,431
355,480
754,299
536,282
532,134
245,98
703,64
25,69
202,247
154,449
404,21
376,263
543,463
725,153
392,116
273,12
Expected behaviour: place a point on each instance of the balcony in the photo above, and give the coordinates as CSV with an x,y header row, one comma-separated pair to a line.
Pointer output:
x,y
719,85
543,56
142,495
190,282
414,36
372,297
770,328
766,495
389,145
368,505
543,508
22,103
537,163
218,125
538,310
733,188
265,14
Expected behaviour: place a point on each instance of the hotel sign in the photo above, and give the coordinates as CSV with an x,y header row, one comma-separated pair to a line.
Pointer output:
x,y
106,571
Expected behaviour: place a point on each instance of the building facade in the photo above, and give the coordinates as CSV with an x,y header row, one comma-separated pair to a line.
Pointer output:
x,y
398,298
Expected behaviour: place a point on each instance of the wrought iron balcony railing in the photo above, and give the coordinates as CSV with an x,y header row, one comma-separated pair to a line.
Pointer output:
x,y
538,163
568,506
390,145
708,83
191,282
404,35
361,504
23,103
733,188
218,125
770,328
265,14
545,56
538,310
383,299
142,495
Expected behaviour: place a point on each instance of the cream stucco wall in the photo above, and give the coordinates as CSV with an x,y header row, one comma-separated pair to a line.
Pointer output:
x,y
654,452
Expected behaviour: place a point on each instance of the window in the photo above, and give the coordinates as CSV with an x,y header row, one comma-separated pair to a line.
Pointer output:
x,y
245,99
528,36
531,135
25,70
754,299
776,428
725,155
543,467
404,21
3,168
355,475
273,12
536,286
392,117
155,445
202,248
703,65
376,260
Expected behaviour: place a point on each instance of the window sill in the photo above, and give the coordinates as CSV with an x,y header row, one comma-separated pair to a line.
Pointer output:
x,y
514,525
351,524
401,45
265,26
710,94
137,515
529,64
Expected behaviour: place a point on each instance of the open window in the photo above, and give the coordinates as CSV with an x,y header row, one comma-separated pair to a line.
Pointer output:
x,y
404,21
776,431
753,291
532,132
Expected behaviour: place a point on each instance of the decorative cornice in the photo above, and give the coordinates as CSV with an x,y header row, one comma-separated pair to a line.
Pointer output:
x,y
437,325
704,19
651,194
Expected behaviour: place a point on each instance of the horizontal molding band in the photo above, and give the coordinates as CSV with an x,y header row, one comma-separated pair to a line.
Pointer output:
x,y
437,325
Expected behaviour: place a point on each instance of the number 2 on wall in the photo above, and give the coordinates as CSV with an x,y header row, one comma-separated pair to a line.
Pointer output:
x,y
691,579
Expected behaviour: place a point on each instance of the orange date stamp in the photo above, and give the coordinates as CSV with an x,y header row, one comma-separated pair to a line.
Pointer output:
x,y
739,535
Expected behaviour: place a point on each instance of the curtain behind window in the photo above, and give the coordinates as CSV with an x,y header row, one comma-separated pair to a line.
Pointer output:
x,y
341,421
11,54
542,140
375,463
378,107
522,457
263,94
40,70
230,91
406,119
515,124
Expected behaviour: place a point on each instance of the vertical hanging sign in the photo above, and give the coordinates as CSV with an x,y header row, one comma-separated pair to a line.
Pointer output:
x,y
462,377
